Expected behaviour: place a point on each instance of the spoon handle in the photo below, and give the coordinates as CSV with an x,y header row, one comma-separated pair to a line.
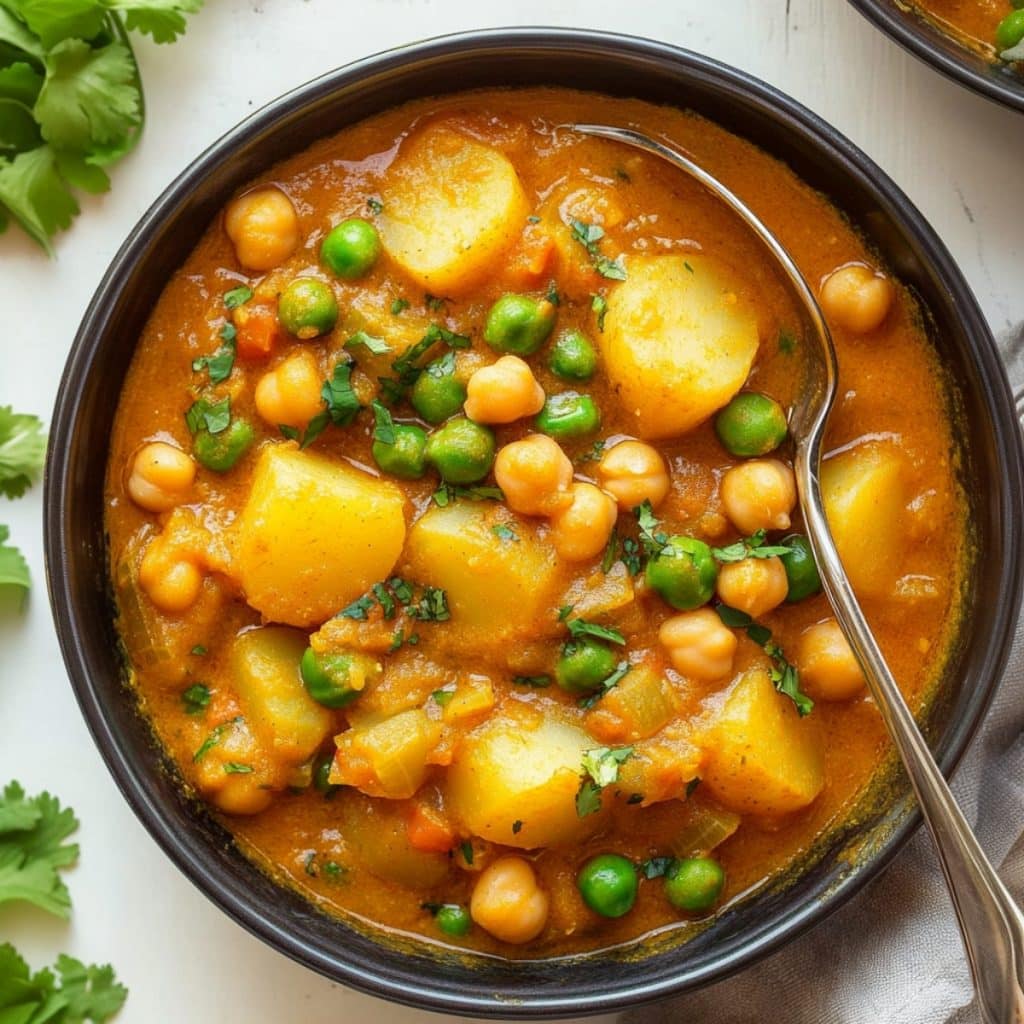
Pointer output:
x,y
991,923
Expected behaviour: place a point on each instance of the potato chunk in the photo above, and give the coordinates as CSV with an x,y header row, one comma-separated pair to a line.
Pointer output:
x,y
761,757
494,588
265,671
452,207
521,766
865,500
314,535
678,342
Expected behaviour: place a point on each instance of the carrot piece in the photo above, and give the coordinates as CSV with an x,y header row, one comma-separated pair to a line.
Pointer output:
x,y
428,830
258,331
530,262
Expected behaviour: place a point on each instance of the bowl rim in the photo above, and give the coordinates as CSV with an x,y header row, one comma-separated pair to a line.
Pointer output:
x,y
908,30
410,988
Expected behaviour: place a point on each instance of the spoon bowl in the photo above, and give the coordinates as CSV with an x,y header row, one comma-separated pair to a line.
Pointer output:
x,y
991,924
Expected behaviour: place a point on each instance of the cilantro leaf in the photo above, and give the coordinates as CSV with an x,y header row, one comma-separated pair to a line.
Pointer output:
x,y
342,402
212,416
164,20
34,193
237,296
581,627
13,567
22,450
220,364
384,425
599,304
196,699
15,34
505,532
601,768
753,546
656,867
377,346
589,235
57,20
621,670
653,540
30,857
89,96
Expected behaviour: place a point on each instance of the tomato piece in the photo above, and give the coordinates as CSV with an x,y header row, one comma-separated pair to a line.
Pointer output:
x,y
258,331
428,830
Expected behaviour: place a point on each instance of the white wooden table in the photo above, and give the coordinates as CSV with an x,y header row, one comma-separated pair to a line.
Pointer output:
x,y
958,156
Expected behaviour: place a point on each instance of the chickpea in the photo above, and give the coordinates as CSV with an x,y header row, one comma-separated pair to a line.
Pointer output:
x,y
536,476
581,531
171,582
634,472
508,903
828,668
503,392
856,298
290,393
698,644
754,586
759,495
263,228
161,476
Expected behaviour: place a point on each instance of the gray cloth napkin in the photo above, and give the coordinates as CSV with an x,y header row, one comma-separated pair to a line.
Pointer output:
x,y
893,954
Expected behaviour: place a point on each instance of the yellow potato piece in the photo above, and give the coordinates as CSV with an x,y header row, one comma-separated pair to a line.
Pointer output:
x,y
314,535
865,502
761,757
678,342
494,588
452,207
265,671
523,767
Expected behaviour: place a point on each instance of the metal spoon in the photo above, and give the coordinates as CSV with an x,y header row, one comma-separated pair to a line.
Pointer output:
x,y
991,924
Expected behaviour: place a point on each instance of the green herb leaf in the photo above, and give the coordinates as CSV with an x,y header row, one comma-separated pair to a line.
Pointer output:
x,y
402,589
374,205
199,651
589,235
753,546
212,416
358,609
213,739
221,363
196,699
384,425
443,697
22,451
787,341
237,297
378,346
89,99
398,306
505,532
234,768
621,670
599,304
32,850
581,627
34,193
537,682
342,401
466,849
517,827
656,867
13,567
601,768
447,493
432,606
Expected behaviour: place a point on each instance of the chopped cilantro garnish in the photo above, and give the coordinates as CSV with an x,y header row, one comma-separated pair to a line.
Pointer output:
x,y
652,539
505,532
237,297
384,425
581,627
599,304
444,495
784,675
408,365
221,363
199,651
517,827
434,302
601,768
692,785
606,684
398,305
552,294
213,739
466,849
234,768
385,600
378,346
402,589
212,416
374,205
787,341
342,401
749,547
442,697
432,606
688,267
589,236
358,609
656,867
537,682
196,699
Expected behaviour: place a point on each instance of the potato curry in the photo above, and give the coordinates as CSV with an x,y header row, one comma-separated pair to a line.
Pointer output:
x,y
454,531
994,28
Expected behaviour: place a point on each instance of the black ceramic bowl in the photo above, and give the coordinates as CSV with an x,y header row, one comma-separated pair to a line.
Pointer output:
x,y
416,973
929,43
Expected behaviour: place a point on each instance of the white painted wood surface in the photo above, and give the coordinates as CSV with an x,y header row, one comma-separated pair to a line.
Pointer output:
x,y
958,156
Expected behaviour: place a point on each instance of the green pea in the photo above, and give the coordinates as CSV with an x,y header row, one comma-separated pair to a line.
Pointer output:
x,y
801,570
684,573
351,248
1011,30
453,919
584,665
695,883
336,680
572,356
307,308
406,457
568,415
462,451
519,324
751,424
322,774
608,884
220,452
438,393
